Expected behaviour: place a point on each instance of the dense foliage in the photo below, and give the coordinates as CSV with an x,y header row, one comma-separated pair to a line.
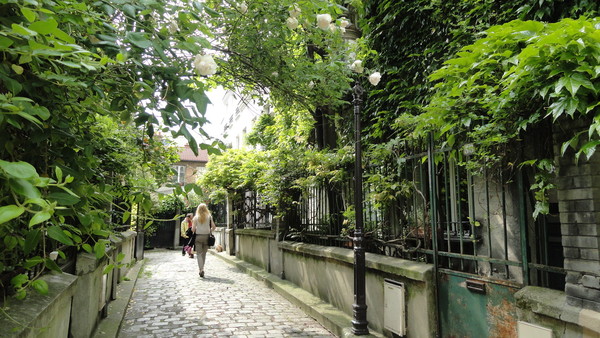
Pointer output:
x,y
480,81
283,164
518,74
276,48
464,71
84,86
279,49
413,39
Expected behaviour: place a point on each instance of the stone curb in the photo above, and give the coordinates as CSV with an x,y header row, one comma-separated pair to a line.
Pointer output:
x,y
333,319
110,326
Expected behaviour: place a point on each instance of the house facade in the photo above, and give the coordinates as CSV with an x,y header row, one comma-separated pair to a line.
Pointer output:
x,y
240,113
190,166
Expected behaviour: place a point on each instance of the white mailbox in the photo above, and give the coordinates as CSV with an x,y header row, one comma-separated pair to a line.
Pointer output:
x,y
394,314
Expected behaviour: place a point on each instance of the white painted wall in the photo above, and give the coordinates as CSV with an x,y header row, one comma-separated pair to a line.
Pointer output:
x,y
239,115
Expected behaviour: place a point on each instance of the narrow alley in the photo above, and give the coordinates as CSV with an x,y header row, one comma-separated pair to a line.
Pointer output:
x,y
171,300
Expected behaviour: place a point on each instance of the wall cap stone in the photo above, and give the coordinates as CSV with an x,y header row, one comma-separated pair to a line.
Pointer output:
x,y
28,310
397,266
87,262
128,233
256,232
119,237
553,303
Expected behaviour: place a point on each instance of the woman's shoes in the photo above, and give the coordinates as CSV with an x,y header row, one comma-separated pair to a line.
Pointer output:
x,y
192,256
202,274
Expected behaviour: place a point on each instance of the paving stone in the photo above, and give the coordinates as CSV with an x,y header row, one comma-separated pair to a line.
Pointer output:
x,y
171,300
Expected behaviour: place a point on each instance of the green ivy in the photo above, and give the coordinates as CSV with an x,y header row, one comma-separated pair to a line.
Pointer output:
x,y
82,92
518,75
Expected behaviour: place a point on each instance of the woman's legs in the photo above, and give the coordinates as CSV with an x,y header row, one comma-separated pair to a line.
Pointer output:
x,y
193,245
201,249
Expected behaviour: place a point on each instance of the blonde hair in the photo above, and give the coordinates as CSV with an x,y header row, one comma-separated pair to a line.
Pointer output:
x,y
202,212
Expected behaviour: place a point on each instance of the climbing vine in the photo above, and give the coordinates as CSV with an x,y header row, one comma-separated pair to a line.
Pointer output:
x,y
91,91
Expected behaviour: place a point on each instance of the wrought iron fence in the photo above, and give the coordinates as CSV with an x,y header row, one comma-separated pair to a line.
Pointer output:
x,y
467,221
219,213
317,216
471,221
249,211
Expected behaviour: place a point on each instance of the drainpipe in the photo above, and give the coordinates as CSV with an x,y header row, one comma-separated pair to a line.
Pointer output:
x,y
523,228
434,221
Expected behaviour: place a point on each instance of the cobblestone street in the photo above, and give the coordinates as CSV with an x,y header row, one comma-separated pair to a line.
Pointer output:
x,y
170,299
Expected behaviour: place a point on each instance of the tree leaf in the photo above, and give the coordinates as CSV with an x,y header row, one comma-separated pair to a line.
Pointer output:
x,y
138,39
108,268
57,233
29,117
578,80
22,30
14,86
541,208
44,27
50,264
5,42
24,188
87,248
589,148
21,294
33,261
18,280
211,12
28,14
31,240
9,212
126,215
40,217
59,174
64,198
40,286
201,101
99,249
17,69
63,36
19,169
129,10
69,64
189,187
10,242
101,233
148,224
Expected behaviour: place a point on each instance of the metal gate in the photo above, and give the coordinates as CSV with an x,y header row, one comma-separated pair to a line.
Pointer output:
x,y
164,235
479,226
475,226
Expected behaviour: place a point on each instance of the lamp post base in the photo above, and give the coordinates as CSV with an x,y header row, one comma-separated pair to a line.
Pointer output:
x,y
359,329
359,323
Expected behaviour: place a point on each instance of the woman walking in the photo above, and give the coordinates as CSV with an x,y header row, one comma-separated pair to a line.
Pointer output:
x,y
202,225
186,233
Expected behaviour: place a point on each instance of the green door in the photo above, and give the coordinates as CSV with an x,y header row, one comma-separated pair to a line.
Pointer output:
x,y
471,307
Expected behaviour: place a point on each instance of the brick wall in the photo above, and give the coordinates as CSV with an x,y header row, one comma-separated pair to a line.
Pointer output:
x,y
579,205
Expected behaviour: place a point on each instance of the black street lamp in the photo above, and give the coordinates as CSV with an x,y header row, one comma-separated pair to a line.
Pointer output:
x,y
359,308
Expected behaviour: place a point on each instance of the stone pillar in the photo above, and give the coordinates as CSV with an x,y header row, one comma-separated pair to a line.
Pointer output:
x,y
579,205
230,232
89,297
